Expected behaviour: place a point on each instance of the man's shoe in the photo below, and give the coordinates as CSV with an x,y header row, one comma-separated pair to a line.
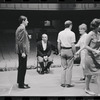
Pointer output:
x,y
24,87
25,84
42,72
89,92
46,71
63,85
69,85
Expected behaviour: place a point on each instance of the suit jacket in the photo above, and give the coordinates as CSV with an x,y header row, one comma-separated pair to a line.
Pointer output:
x,y
41,52
22,40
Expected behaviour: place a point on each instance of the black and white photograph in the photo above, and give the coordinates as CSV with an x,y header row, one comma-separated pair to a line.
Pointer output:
x,y
50,49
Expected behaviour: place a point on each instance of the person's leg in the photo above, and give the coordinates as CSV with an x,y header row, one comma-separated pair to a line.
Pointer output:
x,y
19,65
69,64
24,67
87,82
82,65
64,66
22,70
41,62
69,71
50,61
98,84
87,85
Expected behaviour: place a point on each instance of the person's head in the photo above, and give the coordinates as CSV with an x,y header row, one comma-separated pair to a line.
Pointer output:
x,y
95,24
68,24
44,37
82,28
23,20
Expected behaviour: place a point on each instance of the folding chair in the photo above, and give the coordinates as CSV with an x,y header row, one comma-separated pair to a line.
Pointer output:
x,y
39,69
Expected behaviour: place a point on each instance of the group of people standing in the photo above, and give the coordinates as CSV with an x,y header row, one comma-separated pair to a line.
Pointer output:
x,y
89,52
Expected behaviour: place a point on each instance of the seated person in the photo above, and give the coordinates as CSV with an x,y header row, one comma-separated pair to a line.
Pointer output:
x,y
43,53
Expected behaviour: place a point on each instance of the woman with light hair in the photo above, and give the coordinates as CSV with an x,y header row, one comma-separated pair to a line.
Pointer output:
x,y
80,44
92,59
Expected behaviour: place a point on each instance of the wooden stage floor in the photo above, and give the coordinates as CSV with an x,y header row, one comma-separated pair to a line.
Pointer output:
x,y
43,85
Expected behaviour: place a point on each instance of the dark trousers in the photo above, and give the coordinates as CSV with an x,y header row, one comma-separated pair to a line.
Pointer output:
x,y
21,69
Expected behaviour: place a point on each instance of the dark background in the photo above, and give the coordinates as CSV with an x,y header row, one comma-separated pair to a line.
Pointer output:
x,y
9,23
9,20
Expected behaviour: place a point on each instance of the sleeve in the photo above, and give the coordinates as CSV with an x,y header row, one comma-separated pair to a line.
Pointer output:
x,y
21,37
58,39
39,53
73,38
49,50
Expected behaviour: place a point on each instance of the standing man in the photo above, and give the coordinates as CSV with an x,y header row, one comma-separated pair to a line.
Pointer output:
x,y
22,49
66,48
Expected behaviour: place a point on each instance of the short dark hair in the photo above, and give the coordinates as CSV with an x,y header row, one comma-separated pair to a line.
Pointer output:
x,y
22,18
67,23
95,23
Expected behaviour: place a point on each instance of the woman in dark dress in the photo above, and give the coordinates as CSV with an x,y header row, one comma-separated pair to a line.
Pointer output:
x,y
92,58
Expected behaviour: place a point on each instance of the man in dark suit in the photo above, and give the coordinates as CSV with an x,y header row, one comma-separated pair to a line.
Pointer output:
x,y
43,52
22,49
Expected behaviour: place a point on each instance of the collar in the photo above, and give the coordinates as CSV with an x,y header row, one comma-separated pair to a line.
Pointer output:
x,y
43,41
67,28
22,25
83,34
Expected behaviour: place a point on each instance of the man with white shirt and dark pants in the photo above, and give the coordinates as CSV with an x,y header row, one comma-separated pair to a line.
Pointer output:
x,y
43,52
66,48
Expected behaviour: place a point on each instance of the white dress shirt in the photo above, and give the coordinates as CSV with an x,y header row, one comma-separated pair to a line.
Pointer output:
x,y
44,44
66,37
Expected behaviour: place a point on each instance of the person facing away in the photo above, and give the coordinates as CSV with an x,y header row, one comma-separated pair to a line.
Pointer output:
x,y
43,53
80,44
92,59
22,49
66,47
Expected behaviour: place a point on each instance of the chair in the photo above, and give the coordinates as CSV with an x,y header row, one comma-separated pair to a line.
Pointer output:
x,y
39,69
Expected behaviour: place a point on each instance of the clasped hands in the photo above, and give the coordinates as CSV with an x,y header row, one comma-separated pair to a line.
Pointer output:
x,y
45,58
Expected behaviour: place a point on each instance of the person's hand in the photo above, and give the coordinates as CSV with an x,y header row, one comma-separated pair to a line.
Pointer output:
x,y
23,55
45,58
97,52
30,36
76,55
59,53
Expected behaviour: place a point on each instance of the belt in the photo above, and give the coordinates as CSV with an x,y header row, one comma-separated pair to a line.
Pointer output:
x,y
66,47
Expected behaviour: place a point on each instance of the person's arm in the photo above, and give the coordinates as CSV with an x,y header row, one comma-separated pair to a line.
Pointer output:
x,y
59,48
78,43
39,50
86,46
73,48
49,49
21,38
73,40
59,44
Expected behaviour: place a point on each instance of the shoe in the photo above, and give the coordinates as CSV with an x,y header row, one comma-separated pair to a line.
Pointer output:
x,y
69,85
82,79
46,71
42,72
89,92
25,84
24,87
63,85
